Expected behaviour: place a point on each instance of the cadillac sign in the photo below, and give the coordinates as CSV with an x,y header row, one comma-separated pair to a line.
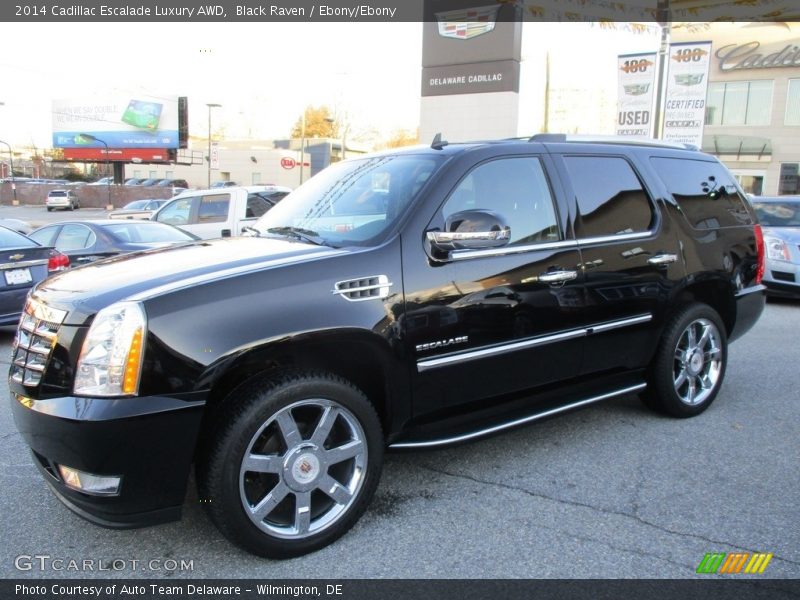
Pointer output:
x,y
468,23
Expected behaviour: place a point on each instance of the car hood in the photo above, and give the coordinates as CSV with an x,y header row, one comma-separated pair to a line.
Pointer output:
x,y
85,290
787,234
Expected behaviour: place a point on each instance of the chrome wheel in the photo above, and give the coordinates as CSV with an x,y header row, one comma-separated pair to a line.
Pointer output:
x,y
303,469
698,362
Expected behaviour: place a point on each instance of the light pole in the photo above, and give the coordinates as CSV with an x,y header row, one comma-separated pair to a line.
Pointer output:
x,y
210,106
11,163
90,138
302,144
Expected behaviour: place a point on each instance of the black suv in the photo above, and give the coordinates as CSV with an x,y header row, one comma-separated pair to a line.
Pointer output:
x,y
410,299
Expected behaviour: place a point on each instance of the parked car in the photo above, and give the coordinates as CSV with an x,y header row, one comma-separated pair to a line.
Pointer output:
x,y
88,241
223,184
416,298
220,212
780,218
138,209
182,183
103,181
149,182
133,181
66,199
25,263
17,225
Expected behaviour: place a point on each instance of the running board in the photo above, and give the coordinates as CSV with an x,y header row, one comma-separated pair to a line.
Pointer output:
x,y
535,417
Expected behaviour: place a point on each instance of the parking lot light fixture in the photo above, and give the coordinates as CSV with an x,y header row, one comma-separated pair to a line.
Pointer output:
x,y
90,138
11,166
210,106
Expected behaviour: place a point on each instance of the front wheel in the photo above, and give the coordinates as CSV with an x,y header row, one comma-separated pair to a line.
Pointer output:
x,y
294,465
689,366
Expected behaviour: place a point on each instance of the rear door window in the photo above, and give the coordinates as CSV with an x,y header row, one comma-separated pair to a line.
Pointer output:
x,y
213,209
705,191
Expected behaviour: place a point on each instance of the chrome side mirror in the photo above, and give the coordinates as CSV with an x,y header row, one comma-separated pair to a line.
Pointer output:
x,y
471,230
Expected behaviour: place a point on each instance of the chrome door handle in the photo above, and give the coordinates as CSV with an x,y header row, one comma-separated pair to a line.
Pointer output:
x,y
558,276
662,259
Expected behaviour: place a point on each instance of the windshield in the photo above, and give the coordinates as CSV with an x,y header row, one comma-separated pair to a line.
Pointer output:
x,y
353,203
778,214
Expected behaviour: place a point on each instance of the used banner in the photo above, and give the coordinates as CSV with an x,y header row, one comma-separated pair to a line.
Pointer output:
x,y
635,94
687,82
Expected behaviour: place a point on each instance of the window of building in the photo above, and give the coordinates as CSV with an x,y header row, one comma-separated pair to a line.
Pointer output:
x,y
153,175
169,174
256,178
516,189
789,181
793,103
611,199
739,103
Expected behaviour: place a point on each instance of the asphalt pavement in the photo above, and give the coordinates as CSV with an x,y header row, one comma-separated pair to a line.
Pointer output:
x,y
610,491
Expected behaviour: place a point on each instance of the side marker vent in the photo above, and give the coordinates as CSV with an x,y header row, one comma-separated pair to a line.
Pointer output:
x,y
365,288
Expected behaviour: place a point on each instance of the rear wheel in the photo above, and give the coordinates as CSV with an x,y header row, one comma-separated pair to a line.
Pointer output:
x,y
294,466
689,366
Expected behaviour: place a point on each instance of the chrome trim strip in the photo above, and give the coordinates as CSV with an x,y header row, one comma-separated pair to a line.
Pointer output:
x,y
522,421
441,361
753,289
464,254
618,324
433,363
603,239
23,264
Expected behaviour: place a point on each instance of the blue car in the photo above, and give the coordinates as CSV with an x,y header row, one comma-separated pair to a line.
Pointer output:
x,y
780,219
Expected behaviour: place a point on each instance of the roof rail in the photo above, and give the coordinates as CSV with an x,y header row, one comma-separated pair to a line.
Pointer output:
x,y
608,139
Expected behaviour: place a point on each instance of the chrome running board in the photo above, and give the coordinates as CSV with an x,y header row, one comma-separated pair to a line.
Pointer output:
x,y
516,422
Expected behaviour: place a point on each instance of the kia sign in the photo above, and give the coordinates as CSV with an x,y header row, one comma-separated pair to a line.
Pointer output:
x,y
288,162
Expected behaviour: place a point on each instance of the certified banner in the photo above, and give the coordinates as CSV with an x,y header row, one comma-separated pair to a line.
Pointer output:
x,y
687,82
635,94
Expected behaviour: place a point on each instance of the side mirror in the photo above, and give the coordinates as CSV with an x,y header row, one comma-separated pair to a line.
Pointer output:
x,y
471,230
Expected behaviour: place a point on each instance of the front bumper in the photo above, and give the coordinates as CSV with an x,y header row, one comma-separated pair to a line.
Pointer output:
x,y
148,441
782,278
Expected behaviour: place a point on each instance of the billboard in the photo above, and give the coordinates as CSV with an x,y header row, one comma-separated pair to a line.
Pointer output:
x,y
134,155
636,83
121,121
687,82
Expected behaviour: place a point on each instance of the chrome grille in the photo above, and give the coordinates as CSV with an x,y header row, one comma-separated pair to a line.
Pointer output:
x,y
34,342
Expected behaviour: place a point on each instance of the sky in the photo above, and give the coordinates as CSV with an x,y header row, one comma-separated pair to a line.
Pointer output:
x,y
264,74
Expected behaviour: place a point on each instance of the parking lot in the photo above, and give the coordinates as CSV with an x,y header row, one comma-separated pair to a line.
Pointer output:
x,y
610,491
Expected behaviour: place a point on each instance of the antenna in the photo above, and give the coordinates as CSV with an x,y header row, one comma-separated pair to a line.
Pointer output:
x,y
438,143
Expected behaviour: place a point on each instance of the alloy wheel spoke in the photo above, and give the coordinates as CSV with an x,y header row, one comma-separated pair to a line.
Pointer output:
x,y
713,354
302,512
323,429
704,337
690,337
691,393
680,355
263,463
270,501
288,426
344,452
337,492
680,379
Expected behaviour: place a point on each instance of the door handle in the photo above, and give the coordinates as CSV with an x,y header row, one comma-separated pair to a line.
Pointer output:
x,y
662,259
558,276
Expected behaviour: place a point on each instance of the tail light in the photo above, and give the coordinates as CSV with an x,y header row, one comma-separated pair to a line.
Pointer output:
x,y
760,251
57,262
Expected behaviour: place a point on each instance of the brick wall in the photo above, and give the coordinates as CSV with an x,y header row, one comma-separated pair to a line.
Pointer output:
x,y
90,196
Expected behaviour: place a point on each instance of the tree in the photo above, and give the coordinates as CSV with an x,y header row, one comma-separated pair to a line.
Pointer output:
x,y
320,123
402,137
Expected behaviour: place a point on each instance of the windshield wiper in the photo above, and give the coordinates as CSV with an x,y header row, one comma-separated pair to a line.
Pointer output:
x,y
299,233
253,230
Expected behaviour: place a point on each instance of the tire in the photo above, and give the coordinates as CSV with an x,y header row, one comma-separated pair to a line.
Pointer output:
x,y
689,366
71,206
49,209
293,464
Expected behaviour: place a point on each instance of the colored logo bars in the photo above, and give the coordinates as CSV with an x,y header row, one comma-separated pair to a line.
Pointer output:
x,y
466,24
735,562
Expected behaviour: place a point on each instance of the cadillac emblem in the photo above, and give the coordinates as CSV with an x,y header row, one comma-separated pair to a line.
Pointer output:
x,y
468,23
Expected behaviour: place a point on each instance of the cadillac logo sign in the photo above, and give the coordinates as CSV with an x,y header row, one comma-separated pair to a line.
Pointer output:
x,y
468,23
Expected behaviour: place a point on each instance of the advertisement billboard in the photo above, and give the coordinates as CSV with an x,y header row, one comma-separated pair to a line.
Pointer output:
x,y
636,84
687,82
121,121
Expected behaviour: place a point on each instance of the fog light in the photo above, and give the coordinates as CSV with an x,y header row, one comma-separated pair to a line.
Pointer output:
x,y
99,485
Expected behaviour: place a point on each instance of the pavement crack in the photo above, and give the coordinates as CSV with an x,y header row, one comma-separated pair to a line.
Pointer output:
x,y
606,511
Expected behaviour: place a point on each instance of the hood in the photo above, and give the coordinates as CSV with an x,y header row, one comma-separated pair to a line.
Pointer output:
x,y
790,235
85,290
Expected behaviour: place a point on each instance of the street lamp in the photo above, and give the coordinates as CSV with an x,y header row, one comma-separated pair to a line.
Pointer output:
x,y
331,120
90,138
210,106
11,161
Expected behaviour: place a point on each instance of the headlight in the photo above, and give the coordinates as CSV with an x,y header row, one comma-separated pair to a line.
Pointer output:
x,y
111,358
776,248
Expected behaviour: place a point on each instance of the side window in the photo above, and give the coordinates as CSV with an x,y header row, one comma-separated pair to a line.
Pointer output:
x,y
516,189
704,190
611,199
213,209
256,206
177,213
74,237
44,236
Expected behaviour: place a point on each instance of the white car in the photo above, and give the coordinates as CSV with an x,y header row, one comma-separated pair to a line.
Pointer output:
x,y
66,199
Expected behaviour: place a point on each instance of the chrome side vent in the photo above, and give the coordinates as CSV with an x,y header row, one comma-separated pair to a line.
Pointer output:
x,y
36,337
366,288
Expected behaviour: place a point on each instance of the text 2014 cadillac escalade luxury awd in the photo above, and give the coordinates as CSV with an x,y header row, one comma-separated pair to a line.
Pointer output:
x,y
410,299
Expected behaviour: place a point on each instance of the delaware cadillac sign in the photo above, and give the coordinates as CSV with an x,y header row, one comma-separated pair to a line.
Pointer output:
x,y
468,23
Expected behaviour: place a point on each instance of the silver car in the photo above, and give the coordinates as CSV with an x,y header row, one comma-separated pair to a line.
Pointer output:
x,y
66,199
780,220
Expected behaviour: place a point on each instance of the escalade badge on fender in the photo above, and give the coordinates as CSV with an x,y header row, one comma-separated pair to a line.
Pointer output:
x,y
462,339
